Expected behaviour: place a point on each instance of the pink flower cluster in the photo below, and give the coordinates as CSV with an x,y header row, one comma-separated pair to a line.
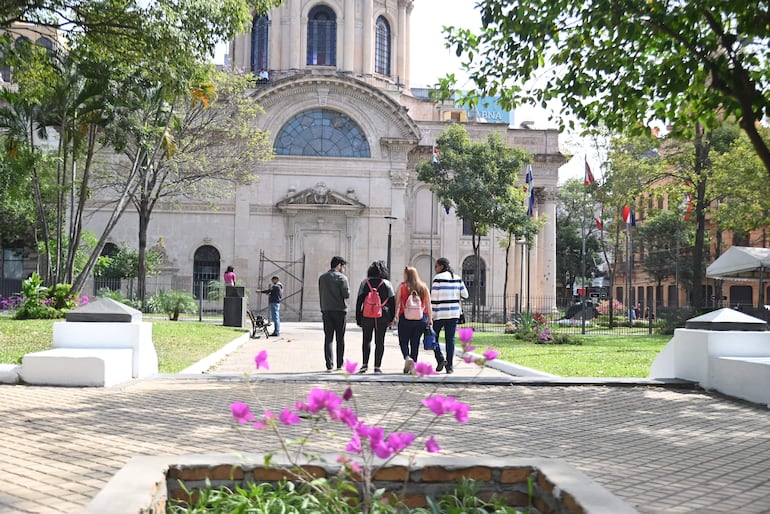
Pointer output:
x,y
365,439
466,334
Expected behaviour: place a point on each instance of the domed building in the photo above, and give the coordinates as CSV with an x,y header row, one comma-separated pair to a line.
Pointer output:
x,y
347,131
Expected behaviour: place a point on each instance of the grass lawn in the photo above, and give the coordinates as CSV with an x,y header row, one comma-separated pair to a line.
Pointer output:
x,y
179,344
597,356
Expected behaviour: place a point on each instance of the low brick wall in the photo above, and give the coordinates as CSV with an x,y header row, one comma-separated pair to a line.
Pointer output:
x,y
145,483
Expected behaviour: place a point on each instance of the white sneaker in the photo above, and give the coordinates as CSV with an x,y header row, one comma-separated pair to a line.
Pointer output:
x,y
408,365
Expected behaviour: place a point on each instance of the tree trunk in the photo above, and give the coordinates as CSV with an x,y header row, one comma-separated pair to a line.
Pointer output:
x,y
702,148
141,276
505,281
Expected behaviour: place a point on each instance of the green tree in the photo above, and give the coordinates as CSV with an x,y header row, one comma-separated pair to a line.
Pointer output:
x,y
199,144
666,239
623,64
575,221
479,180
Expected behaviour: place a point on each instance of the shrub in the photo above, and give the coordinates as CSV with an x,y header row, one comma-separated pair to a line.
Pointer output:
x,y
173,303
106,292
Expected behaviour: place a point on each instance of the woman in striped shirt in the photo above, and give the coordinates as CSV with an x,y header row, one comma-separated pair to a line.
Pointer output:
x,y
445,293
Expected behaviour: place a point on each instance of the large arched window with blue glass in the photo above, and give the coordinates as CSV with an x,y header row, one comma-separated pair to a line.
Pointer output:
x,y
322,37
322,133
382,47
259,45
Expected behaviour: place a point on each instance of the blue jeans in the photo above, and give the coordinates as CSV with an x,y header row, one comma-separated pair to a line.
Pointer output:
x,y
450,328
409,335
275,317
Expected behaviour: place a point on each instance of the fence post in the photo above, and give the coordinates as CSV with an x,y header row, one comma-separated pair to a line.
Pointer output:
x,y
200,301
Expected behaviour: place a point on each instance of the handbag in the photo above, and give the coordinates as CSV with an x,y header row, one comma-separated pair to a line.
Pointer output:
x,y
461,319
429,338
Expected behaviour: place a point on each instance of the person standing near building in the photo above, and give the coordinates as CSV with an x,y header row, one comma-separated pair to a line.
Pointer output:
x,y
413,312
274,301
377,281
447,289
334,291
229,276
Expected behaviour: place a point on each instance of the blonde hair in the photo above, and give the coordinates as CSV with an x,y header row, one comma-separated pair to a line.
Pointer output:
x,y
413,282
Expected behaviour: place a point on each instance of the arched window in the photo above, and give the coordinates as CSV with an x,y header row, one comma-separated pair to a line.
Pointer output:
x,y
475,287
322,133
46,43
322,37
259,45
382,47
5,70
205,269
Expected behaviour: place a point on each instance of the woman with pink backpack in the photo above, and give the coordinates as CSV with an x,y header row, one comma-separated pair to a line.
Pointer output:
x,y
413,312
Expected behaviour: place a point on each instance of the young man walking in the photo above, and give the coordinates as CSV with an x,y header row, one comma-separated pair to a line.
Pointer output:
x,y
334,291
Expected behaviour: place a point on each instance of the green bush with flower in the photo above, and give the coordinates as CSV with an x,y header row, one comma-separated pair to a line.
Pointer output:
x,y
40,302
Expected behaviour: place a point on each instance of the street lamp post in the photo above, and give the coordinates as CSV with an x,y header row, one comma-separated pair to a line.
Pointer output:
x,y
390,219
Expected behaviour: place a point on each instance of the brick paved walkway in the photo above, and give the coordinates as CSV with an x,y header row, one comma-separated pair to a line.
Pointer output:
x,y
662,450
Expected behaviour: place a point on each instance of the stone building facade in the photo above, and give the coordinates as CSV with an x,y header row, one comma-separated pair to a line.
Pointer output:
x,y
347,130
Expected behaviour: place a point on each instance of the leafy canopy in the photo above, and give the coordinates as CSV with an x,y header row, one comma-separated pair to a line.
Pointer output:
x,y
625,64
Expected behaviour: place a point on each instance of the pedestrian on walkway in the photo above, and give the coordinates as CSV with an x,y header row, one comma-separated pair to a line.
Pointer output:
x,y
229,276
334,291
412,295
447,289
274,302
377,281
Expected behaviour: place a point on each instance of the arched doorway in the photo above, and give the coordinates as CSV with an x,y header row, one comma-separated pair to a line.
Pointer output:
x,y
205,269
477,289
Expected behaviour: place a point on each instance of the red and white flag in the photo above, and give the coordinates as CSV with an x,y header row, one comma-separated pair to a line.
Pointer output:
x,y
687,206
599,223
628,215
589,177
436,156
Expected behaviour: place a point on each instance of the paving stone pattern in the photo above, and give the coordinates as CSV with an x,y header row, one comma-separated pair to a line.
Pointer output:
x,y
661,450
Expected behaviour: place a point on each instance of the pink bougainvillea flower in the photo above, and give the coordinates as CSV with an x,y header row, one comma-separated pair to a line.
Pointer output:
x,y
491,355
261,360
468,358
468,347
354,446
345,415
465,334
461,412
348,394
346,461
241,412
422,369
436,404
397,441
350,367
381,449
319,399
259,425
288,417
431,446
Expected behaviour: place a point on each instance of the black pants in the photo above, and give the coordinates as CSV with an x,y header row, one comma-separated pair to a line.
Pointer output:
x,y
376,327
334,325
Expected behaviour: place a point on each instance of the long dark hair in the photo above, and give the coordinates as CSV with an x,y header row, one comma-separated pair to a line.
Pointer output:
x,y
379,270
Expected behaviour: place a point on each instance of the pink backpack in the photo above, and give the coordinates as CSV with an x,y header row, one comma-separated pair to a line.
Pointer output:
x,y
413,306
372,303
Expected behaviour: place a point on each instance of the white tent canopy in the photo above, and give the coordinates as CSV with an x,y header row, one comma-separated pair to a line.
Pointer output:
x,y
741,262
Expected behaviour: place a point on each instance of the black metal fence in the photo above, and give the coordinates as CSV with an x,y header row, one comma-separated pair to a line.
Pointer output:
x,y
562,315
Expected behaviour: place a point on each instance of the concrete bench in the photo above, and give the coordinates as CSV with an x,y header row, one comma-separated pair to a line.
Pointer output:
x,y
747,378
97,367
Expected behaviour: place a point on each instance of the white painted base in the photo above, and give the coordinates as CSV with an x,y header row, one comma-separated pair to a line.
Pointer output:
x,y
77,367
736,363
136,335
10,373
747,378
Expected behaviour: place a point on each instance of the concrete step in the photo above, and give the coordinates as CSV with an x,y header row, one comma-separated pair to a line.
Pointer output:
x,y
78,367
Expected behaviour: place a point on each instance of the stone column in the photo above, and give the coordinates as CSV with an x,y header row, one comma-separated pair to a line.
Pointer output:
x,y
401,48
296,38
348,40
547,245
274,59
367,43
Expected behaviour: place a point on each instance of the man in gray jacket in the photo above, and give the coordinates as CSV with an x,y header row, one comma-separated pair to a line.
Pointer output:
x,y
334,291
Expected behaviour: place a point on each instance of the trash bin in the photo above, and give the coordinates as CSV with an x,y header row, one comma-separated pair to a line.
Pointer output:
x,y
235,307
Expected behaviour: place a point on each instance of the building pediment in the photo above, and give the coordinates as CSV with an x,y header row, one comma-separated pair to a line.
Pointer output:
x,y
320,198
